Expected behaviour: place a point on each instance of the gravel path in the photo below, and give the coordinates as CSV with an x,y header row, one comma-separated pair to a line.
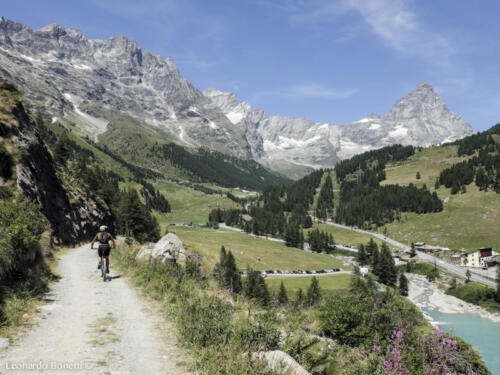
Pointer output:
x,y
95,327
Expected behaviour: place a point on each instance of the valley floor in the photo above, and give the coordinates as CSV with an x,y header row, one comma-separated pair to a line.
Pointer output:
x,y
96,327
425,294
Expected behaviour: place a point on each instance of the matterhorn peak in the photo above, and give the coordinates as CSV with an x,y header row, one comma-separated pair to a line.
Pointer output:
x,y
425,86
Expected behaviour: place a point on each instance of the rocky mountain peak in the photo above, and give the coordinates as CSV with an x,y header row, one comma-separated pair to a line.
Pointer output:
x,y
62,74
419,118
425,86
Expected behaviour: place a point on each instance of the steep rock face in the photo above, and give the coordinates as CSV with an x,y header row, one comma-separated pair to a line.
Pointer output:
x,y
37,180
420,118
426,118
246,118
62,74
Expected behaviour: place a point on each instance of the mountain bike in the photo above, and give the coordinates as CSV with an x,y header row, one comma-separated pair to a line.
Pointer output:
x,y
103,269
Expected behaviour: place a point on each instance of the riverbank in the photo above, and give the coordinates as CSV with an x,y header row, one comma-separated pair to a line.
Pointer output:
x,y
427,295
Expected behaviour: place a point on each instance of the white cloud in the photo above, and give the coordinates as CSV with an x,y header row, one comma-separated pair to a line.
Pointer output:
x,y
394,21
397,24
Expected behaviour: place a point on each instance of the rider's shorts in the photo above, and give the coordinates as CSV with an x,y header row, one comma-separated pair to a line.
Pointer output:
x,y
103,250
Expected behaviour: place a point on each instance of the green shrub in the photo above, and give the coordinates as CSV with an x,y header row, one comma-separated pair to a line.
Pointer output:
x,y
259,334
364,315
477,294
23,272
205,321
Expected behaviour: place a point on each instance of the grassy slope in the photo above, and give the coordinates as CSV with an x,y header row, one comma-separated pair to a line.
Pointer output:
x,y
429,162
107,161
248,250
292,284
468,220
189,204
344,236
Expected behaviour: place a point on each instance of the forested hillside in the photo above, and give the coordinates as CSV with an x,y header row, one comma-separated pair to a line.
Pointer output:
x,y
483,166
140,147
364,202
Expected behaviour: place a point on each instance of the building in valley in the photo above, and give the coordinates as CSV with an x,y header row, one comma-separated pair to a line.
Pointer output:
x,y
477,258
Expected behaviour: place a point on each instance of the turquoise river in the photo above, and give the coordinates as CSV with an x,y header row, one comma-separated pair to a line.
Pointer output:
x,y
482,334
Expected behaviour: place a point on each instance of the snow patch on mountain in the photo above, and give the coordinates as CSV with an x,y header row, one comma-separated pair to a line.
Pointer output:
x,y
419,118
399,132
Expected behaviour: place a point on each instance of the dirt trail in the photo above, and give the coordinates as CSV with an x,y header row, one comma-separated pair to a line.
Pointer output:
x,y
92,327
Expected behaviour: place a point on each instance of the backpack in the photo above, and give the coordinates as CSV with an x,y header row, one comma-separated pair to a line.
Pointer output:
x,y
104,238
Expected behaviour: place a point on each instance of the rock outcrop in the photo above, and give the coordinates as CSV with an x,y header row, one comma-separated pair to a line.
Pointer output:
x,y
167,250
279,362
71,218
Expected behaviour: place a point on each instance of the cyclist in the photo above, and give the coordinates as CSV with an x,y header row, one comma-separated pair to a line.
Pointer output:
x,y
103,237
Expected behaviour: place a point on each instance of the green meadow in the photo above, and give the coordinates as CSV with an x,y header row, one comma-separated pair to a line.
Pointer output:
x,y
468,221
258,253
294,283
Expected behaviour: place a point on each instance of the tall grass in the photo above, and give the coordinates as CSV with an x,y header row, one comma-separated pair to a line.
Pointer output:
x,y
206,325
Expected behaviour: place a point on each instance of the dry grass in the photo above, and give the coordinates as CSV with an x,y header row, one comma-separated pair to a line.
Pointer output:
x,y
102,331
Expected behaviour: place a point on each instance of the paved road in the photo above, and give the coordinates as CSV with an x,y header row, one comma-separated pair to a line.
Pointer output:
x,y
452,268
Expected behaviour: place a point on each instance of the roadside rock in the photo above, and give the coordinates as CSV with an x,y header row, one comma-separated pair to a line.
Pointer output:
x,y
167,249
280,362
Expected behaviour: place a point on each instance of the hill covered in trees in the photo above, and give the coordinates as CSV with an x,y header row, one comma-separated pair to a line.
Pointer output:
x,y
483,166
138,147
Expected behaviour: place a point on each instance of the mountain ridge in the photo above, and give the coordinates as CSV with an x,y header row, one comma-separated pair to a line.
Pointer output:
x,y
66,77
420,118
63,74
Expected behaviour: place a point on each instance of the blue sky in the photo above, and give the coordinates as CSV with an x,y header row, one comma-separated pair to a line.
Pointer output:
x,y
329,61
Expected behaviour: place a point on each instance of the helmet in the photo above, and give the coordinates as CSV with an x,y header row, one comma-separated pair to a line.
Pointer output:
x,y
103,228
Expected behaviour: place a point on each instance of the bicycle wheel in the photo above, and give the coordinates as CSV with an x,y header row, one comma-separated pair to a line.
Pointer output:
x,y
103,268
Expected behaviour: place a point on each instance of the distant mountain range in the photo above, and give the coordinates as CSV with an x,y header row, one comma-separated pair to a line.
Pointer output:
x,y
419,118
91,84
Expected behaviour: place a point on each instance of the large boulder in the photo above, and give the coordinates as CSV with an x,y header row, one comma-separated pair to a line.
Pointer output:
x,y
280,362
166,250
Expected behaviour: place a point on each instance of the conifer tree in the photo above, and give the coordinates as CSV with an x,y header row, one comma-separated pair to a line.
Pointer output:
x,y
356,284
403,285
62,149
313,292
134,219
300,298
255,287
371,247
481,179
282,295
230,275
362,255
218,269
437,185
375,262
387,268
